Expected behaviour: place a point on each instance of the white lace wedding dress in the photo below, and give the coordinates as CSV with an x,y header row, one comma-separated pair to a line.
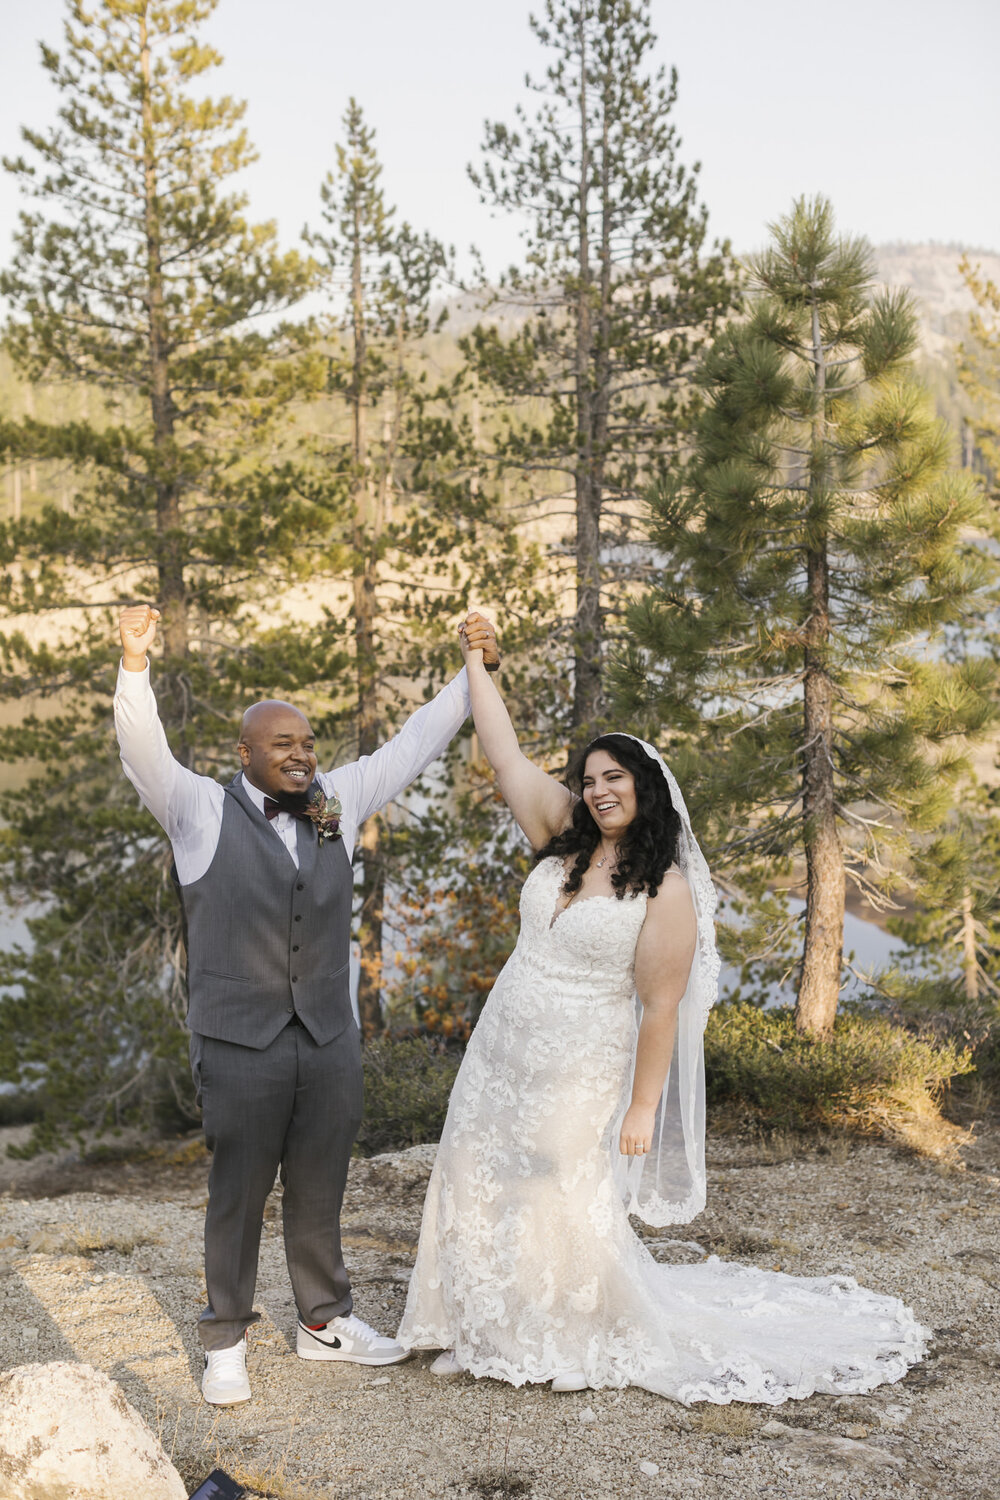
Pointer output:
x,y
528,1267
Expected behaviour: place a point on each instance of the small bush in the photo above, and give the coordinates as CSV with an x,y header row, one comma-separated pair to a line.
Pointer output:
x,y
407,1084
986,1056
869,1076
938,1008
20,1107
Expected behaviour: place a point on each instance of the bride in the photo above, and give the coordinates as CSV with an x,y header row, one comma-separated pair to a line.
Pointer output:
x,y
581,1099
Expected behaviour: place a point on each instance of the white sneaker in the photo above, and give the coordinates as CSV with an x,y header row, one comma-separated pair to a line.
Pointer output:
x,y
347,1338
446,1364
576,1380
225,1381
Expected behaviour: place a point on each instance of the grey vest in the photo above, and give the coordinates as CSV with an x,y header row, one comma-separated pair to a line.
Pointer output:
x,y
267,941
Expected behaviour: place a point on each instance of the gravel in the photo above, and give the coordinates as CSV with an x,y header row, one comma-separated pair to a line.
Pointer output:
x,y
102,1263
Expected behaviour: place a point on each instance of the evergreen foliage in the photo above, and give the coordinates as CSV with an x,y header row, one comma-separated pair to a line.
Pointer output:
x,y
954,933
408,1082
427,529
812,555
138,276
378,378
979,366
617,295
866,1077
300,505
312,505
455,934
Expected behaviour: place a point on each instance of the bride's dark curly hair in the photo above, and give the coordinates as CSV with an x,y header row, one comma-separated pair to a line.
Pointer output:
x,y
648,846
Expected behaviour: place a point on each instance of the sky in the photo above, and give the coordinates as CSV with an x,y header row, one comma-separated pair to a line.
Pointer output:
x,y
889,107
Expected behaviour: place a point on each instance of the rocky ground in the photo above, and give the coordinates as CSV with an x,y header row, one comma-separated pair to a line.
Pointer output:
x,y
102,1263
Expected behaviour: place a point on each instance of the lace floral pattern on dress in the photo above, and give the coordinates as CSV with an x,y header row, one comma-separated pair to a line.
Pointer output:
x,y
528,1267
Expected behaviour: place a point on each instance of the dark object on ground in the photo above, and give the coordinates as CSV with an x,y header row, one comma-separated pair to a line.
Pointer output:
x,y
218,1486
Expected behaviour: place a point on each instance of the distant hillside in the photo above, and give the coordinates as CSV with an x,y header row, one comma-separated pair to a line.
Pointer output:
x,y
931,273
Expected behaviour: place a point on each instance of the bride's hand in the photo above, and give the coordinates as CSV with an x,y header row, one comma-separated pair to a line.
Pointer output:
x,y
478,640
637,1130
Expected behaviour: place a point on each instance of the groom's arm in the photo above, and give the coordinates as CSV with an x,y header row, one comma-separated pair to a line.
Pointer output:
x,y
187,807
366,785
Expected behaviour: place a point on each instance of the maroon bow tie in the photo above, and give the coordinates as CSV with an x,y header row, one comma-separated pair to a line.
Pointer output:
x,y
272,809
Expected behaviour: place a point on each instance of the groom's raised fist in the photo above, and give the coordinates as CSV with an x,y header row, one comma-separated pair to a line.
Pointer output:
x,y
137,628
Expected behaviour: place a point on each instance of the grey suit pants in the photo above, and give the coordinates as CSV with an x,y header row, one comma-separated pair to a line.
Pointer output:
x,y
293,1107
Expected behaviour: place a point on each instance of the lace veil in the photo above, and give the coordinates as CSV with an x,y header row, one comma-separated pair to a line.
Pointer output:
x,y
667,1185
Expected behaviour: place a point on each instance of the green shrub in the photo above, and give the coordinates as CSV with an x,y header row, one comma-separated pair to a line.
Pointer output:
x,y
407,1084
869,1076
20,1107
940,1010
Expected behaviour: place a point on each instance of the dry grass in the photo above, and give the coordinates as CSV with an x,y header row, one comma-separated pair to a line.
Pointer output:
x,y
837,1148
739,1243
912,1118
187,1155
264,1478
266,1481
86,1239
733,1421
780,1146
498,1484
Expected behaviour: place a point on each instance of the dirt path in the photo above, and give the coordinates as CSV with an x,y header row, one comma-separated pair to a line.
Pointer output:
x,y
103,1264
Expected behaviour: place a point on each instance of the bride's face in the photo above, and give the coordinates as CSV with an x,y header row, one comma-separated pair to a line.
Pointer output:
x,y
609,793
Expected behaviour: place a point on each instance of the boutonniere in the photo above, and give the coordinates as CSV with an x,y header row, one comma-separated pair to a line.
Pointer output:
x,y
324,814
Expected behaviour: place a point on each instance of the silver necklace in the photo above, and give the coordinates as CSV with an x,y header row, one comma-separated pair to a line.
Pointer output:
x,y
602,862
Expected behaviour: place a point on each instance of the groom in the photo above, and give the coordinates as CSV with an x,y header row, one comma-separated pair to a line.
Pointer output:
x,y
264,868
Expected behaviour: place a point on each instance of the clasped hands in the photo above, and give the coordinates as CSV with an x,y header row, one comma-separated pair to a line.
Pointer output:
x,y
477,633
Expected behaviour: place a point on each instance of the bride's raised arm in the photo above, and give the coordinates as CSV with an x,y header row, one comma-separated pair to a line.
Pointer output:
x,y
541,805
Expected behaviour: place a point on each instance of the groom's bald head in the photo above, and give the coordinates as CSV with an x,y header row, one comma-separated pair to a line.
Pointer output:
x,y
277,748
260,718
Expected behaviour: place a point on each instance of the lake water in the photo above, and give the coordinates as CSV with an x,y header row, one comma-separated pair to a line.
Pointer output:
x,y
872,947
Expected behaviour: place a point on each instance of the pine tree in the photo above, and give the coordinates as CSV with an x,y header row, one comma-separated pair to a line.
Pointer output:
x,y
426,530
812,557
389,276
979,367
139,278
616,298
956,928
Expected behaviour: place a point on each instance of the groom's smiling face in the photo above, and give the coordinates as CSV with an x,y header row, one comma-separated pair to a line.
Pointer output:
x,y
277,748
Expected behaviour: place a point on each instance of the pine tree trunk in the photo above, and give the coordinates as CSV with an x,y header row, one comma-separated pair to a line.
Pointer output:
x,y
587,480
970,963
370,841
364,581
475,419
29,411
172,599
819,986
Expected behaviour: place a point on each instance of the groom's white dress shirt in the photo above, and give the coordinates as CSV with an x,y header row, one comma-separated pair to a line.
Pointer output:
x,y
188,807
